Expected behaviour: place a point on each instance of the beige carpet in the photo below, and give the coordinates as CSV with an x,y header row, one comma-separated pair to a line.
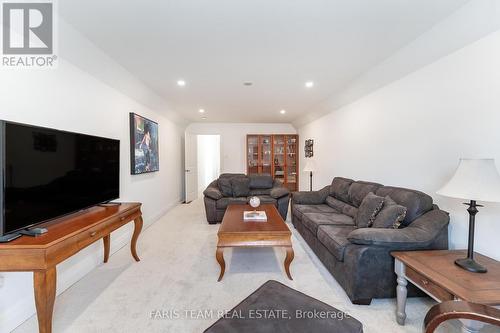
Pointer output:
x,y
179,272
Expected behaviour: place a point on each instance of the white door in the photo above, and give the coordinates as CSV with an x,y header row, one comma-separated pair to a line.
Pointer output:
x,y
191,165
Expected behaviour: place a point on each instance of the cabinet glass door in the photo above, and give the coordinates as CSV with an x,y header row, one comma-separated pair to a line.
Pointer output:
x,y
291,162
265,155
279,157
253,154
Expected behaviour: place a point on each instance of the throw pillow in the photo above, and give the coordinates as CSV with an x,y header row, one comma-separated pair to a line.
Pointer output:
x,y
391,215
225,186
368,210
240,186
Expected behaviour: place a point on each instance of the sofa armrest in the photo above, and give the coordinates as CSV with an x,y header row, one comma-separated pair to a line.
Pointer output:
x,y
311,197
278,192
213,193
419,234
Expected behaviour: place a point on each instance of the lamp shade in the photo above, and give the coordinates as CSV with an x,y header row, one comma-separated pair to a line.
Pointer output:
x,y
474,179
310,166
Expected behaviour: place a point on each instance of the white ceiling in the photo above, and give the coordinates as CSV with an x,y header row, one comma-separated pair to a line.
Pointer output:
x,y
216,45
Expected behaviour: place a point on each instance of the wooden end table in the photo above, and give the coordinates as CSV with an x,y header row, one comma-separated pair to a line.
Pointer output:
x,y
235,232
435,273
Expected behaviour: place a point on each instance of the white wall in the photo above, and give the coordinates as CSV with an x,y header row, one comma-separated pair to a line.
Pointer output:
x,y
412,132
70,99
233,139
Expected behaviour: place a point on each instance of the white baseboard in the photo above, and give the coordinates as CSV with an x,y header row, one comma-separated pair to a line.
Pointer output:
x,y
77,267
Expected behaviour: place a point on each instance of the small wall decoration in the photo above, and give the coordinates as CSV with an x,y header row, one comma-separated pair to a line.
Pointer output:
x,y
143,145
308,148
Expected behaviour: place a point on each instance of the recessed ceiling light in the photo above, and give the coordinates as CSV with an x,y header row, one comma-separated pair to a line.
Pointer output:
x,y
201,111
282,111
247,83
181,83
309,84
204,118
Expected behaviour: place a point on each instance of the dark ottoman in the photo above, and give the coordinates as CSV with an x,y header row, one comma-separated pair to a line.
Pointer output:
x,y
276,308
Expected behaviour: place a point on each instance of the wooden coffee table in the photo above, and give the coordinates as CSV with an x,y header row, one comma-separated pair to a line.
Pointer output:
x,y
234,232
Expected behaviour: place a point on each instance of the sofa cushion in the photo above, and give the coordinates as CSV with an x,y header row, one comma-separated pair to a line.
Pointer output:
x,y
340,188
350,211
313,220
335,203
260,181
416,202
224,202
299,210
240,186
267,199
260,191
368,210
358,190
224,182
225,186
341,207
390,216
334,238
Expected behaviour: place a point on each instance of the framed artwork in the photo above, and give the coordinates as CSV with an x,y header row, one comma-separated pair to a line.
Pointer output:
x,y
308,148
143,145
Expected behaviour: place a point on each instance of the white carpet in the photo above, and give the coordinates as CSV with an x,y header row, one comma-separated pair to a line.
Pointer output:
x,y
178,272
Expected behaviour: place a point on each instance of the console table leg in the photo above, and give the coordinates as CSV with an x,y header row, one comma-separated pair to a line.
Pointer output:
x,y
219,255
401,292
288,260
45,294
137,230
106,240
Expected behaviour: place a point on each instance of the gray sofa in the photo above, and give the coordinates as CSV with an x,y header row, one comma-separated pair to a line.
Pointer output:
x,y
359,258
235,188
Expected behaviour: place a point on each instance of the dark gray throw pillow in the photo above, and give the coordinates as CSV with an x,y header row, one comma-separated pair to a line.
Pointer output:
x,y
240,186
224,185
391,215
368,210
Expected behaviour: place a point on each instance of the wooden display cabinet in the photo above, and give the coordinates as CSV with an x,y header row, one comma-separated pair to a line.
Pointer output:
x,y
274,154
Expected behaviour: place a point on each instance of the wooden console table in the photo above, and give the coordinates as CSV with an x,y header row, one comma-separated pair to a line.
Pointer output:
x,y
66,236
435,273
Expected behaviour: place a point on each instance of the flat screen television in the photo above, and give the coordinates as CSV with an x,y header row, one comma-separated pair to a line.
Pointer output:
x,y
47,173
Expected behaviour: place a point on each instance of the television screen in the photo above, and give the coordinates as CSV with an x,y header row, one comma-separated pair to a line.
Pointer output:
x,y
49,173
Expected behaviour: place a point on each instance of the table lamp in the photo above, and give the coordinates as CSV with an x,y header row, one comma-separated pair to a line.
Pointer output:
x,y
474,180
310,167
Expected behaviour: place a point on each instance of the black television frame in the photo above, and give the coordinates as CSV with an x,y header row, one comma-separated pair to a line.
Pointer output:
x,y
2,177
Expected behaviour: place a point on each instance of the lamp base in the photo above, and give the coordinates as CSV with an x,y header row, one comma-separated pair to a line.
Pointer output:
x,y
470,265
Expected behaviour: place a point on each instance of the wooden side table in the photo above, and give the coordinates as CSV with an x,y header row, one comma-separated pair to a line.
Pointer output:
x,y
435,273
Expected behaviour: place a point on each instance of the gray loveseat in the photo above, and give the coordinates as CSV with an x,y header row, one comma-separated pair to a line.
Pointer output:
x,y
359,258
235,188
